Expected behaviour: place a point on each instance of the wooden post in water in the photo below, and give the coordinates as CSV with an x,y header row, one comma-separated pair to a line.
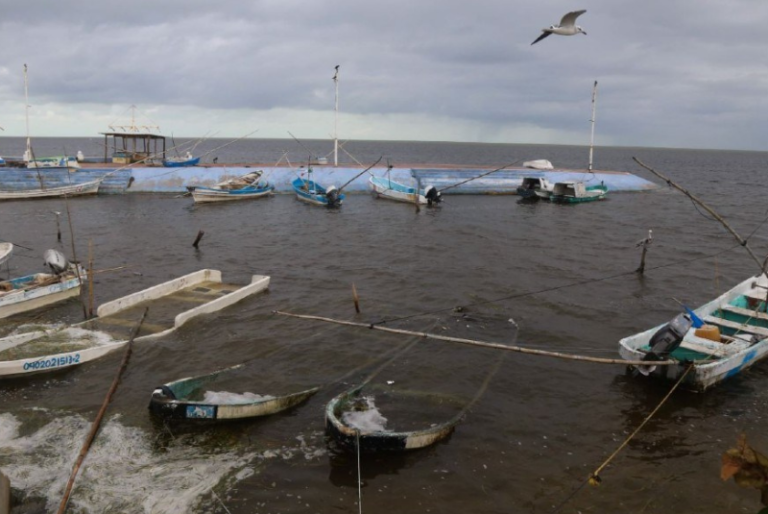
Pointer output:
x,y
5,494
645,243
90,278
198,238
355,298
58,226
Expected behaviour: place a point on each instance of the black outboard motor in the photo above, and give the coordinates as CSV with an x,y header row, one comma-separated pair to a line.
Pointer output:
x,y
667,340
432,195
332,194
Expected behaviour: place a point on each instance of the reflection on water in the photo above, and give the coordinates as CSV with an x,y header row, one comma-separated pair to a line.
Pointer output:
x,y
540,428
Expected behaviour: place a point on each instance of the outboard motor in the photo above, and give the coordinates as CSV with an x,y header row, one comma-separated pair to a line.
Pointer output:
x,y
432,195
332,194
666,340
56,261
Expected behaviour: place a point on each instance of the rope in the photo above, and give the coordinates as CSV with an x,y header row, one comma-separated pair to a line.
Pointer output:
x,y
594,478
359,478
556,288
471,342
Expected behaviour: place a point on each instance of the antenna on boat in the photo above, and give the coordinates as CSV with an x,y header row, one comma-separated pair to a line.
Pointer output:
x,y
592,138
336,119
28,153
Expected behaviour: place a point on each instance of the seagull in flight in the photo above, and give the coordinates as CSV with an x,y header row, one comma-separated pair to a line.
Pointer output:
x,y
567,26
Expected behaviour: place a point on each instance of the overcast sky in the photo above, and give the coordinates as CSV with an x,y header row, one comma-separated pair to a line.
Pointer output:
x,y
673,73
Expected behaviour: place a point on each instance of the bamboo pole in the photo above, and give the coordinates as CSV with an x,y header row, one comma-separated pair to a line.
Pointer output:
x,y
706,207
90,278
483,344
97,422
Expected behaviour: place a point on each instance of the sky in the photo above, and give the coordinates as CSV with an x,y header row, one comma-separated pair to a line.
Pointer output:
x,y
671,73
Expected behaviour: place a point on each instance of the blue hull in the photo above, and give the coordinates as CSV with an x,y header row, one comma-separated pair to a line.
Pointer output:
x,y
182,164
310,191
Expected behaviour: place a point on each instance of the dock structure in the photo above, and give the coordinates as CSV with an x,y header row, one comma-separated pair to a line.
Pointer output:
x,y
130,147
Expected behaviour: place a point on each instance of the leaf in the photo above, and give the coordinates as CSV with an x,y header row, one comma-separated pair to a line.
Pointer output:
x,y
731,465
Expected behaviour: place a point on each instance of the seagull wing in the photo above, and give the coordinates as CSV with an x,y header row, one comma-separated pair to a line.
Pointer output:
x,y
569,20
542,36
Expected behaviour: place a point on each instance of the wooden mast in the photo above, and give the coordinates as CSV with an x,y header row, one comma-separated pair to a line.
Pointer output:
x,y
336,120
592,138
28,153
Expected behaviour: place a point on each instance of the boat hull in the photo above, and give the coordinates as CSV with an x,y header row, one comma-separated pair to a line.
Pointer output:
x,y
181,164
711,368
27,299
310,192
208,195
86,188
390,190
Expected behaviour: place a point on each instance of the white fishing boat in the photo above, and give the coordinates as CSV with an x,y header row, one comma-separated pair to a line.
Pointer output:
x,y
54,349
384,187
84,188
733,337
577,192
31,292
535,188
538,164
6,249
245,187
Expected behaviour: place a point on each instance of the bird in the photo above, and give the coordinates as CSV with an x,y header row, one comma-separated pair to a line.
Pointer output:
x,y
567,26
647,241
336,75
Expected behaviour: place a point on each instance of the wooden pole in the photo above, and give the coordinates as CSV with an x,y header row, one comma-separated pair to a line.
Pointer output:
x,y
471,342
198,238
641,268
74,253
58,226
479,176
355,298
97,422
90,278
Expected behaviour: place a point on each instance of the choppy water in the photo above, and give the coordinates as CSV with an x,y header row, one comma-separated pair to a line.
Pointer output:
x,y
541,427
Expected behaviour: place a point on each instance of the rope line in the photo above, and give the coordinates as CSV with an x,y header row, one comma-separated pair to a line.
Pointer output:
x,y
555,288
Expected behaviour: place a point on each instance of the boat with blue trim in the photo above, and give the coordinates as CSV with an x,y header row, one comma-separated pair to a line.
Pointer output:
x,y
720,339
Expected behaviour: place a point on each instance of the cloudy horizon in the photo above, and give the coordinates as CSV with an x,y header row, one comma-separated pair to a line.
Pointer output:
x,y
679,74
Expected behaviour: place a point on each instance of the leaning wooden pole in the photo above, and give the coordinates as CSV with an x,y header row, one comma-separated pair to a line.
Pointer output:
x,y
483,344
90,278
706,207
99,416
479,176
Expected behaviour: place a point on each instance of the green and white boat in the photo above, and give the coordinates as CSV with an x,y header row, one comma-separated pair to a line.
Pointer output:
x,y
577,192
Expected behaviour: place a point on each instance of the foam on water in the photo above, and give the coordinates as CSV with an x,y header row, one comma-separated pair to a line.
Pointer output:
x,y
124,471
368,420
225,398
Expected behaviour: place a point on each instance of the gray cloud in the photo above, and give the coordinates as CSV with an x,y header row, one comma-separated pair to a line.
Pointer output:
x,y
672,73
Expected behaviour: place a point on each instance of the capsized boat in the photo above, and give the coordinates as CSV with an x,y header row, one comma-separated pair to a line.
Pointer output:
x,y
171,305
384,187
30,292
732,336
191,399
307,190
538,164
245,187
532,186
577,192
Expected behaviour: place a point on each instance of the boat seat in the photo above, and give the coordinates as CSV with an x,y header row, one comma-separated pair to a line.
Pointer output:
x,y
740,327
713,348
750,313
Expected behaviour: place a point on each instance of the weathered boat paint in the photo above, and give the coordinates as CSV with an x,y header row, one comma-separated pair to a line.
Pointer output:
x,y
385,187
26,296
715,366
21,179
170,401
54,362
348,438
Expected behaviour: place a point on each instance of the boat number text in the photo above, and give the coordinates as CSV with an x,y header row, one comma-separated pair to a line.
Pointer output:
x,y
53,362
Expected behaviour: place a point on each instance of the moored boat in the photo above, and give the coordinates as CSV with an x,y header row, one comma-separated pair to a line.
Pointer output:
x,y
353,421
169,305
577,192
6,249
307,190
31,292
535,188
733,337
248,186
191,399
82,189
181,162
384,187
